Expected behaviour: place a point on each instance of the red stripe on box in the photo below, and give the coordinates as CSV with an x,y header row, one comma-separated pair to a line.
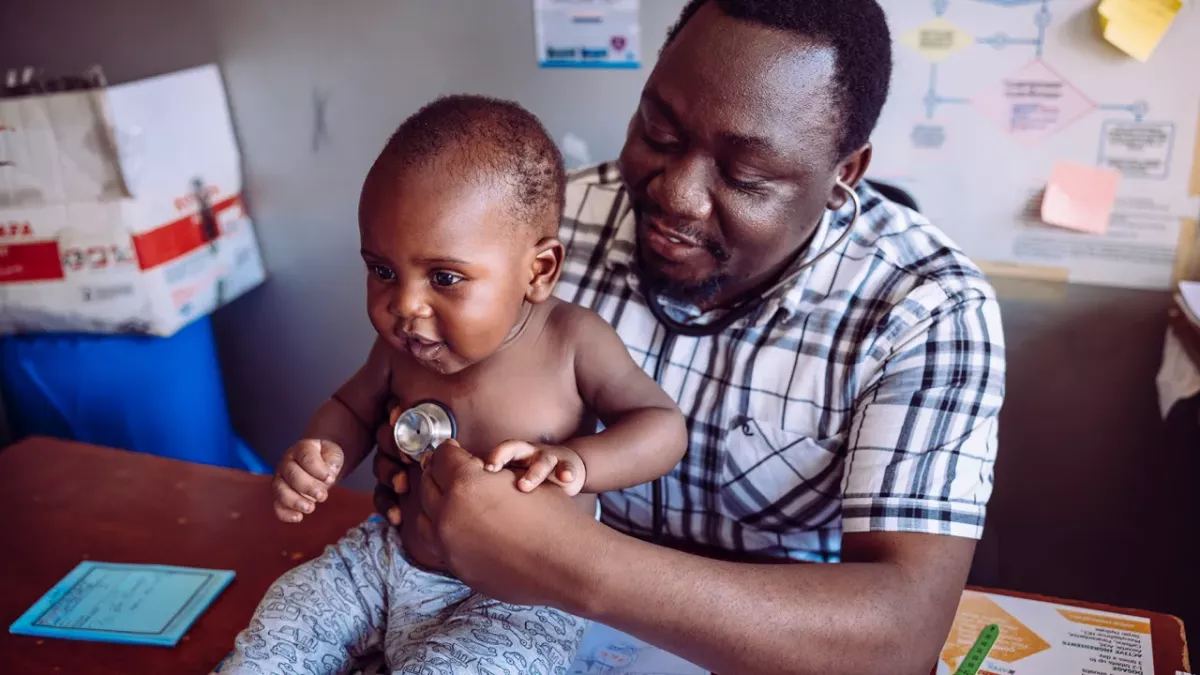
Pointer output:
x,y
177,238
35,261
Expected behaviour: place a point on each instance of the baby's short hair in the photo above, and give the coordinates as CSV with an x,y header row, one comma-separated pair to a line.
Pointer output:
x,y
492,138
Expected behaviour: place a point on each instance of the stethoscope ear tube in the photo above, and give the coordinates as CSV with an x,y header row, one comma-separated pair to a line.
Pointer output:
x,y
674,328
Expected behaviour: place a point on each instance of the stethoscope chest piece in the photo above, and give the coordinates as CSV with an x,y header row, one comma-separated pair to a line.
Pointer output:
x,y
423,427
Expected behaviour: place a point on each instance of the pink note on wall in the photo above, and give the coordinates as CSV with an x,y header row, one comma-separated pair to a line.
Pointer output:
x,y
1080,197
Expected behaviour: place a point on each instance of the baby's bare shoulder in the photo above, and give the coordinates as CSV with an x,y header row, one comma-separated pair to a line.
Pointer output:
x,y
580,330
573,324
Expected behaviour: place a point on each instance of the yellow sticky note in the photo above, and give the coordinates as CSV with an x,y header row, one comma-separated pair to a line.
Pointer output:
x,y
1136,26
1080,197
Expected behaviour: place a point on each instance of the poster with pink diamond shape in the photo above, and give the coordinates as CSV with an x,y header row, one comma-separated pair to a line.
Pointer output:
x,y
1033,102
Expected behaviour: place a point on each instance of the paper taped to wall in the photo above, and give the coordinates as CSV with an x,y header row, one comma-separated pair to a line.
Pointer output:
x,y
587,34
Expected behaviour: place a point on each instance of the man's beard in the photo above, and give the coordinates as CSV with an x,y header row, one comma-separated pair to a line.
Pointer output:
x,y
699,293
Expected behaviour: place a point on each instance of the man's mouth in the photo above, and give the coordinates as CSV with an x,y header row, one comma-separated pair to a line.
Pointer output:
x,y
671,244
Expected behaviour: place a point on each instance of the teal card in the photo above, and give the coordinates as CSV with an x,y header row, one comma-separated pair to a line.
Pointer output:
x,y
130,604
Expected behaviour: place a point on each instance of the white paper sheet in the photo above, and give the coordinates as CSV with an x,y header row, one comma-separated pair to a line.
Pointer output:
x,y
588,33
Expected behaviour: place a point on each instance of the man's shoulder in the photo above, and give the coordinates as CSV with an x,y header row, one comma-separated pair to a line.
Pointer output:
x,y
604,173
592,194
911,252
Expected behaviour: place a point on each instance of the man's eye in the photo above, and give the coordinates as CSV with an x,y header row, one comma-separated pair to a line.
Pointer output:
x,y
659,140
748,185
382,272
445,279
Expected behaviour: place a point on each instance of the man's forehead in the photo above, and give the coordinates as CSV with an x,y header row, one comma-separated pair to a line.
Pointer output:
x,y
753,84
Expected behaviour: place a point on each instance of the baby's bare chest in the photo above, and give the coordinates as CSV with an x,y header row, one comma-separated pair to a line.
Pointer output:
x,y
516,396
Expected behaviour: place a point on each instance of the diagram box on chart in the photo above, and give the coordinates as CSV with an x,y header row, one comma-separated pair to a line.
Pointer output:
x,y
1137,149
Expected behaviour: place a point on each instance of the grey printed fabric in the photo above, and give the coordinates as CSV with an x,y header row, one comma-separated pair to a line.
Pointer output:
x,y
863,397
361,602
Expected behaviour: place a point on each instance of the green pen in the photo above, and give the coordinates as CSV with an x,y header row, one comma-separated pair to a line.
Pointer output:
x,y
973,661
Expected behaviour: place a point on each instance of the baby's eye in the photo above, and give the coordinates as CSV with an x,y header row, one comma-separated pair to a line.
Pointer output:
x,y
445,279
382,272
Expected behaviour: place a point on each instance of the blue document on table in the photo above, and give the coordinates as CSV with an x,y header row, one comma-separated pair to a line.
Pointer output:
x,y
130,604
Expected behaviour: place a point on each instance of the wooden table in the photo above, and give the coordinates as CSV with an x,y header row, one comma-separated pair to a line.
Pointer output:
x,y
61,503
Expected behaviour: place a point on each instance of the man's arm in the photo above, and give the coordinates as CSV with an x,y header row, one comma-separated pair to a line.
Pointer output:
x,y
644,433
922,442
886,610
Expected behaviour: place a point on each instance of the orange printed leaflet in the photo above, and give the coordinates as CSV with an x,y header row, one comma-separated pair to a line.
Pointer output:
x,y
1041,638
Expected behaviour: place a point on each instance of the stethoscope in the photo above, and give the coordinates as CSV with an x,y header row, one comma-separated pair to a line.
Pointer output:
x,y
420,429
674,328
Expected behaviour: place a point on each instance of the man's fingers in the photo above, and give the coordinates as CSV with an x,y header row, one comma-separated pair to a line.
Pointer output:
x,y
508,451
431,496
384,468
303,482
447,461
288,498
400,483
387,504
385,439
538,471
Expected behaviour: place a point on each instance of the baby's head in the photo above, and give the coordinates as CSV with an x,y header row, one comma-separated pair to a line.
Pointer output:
x,y
458,221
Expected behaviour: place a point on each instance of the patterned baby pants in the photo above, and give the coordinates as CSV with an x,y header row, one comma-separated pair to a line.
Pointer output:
x,y
362,599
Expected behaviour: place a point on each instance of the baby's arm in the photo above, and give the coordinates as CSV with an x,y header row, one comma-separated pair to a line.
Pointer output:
x,y
336,440
644,433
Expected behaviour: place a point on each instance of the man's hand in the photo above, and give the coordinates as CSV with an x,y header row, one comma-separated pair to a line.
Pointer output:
x,y
561,465
518,548
390,468
304,476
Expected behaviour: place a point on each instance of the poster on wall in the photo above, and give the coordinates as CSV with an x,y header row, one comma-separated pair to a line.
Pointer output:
x,y
990,97
587,33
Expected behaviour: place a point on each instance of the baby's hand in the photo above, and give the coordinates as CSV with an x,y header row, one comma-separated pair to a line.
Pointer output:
x,y
303,478
556,463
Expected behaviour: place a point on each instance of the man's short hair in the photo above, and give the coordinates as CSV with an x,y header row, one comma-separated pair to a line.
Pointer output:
x,y
488,139
856,30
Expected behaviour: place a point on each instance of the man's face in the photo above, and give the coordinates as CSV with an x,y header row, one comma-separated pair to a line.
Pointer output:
x,y
447,265
731,157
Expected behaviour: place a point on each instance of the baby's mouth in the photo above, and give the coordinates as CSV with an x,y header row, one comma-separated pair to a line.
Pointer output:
x,y
423,349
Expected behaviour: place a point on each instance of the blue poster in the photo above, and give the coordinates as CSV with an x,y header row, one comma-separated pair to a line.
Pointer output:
x,y
131,604
587,33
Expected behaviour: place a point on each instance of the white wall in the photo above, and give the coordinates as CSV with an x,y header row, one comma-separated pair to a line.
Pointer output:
x,y
376,61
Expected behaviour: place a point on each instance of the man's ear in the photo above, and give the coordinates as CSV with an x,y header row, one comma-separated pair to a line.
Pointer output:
x,y
545,267
851,171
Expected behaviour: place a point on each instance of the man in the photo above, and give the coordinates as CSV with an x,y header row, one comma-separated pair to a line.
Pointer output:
x,y
849,415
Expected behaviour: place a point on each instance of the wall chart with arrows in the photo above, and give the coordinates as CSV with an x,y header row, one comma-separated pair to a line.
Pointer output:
x,y
988,94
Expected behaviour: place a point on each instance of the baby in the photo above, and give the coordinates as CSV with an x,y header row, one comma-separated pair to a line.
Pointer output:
x,y
457,220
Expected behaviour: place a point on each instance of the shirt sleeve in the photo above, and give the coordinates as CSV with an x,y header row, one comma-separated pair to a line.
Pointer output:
x,y
922,440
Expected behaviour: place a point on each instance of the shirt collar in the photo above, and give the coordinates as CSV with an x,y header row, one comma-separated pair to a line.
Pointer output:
x,y
620,254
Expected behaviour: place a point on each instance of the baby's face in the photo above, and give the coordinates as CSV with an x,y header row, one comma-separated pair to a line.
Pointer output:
x,y
448,268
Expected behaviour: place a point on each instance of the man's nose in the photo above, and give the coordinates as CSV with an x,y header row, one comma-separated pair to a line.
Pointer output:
x,y
408,301
682,189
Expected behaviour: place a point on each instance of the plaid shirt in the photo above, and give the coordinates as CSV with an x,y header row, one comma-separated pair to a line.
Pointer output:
x,y
863,397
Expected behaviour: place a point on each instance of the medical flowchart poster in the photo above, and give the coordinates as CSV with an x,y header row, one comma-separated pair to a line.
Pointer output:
x,y
988,95
587,33
1039,638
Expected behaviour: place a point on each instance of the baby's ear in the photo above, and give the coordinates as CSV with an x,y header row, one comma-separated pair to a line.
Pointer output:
x,y
545,267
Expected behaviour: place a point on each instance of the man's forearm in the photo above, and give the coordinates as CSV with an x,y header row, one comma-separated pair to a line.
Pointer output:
x,y
856,618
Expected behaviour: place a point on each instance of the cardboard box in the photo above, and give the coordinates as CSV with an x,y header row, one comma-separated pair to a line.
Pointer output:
x,y
121,208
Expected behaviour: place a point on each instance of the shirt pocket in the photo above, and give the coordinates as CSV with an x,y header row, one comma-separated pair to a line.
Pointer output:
x,y
778,480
